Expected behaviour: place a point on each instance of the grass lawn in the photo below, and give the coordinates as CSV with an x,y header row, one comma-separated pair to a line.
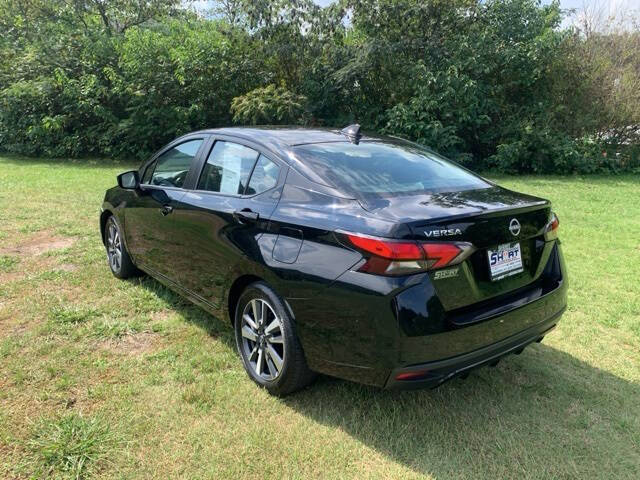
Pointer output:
x,y
124,379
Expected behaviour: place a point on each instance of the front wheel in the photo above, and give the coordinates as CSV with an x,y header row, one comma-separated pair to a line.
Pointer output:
x,y
117,255
266,339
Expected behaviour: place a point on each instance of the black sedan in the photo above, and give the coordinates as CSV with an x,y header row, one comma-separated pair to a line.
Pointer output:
x,y
367,258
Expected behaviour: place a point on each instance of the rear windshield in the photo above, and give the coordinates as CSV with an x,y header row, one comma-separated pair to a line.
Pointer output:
x,y
384,168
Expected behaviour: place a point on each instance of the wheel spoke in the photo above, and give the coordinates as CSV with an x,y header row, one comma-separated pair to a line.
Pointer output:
x,y
256,313
249,334
277,361
273,371
275,339
249,321
253,353
110,237
263,313
260,361
272,326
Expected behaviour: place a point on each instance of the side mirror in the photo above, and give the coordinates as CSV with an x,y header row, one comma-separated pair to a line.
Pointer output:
x,y
129,180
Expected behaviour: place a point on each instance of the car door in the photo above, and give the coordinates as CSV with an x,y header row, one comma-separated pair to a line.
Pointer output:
x,y
150,223
224,215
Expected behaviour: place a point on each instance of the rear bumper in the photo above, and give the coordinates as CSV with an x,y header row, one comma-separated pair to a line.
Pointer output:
x,y
350,331
432,374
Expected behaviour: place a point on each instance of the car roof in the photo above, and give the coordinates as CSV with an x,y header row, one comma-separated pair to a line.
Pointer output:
x,y
281,140
285,136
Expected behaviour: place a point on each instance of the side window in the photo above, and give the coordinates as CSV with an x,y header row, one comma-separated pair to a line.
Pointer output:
x,y
227,169
173,165
264,176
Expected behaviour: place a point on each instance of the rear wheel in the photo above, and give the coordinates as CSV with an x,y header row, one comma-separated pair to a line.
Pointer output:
x,y
119,260
266,339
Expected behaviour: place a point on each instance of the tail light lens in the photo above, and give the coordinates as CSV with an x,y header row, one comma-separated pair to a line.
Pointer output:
x,y
395,257
551,230
386,248
440,255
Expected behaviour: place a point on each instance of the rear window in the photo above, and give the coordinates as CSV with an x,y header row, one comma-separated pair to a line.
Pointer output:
x,y
381,168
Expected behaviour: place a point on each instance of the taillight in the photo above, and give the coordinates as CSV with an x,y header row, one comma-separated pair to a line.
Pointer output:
x,y
551,230
387,248
397,257
441,254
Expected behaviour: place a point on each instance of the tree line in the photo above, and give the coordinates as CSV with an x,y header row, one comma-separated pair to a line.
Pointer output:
x,y
494,84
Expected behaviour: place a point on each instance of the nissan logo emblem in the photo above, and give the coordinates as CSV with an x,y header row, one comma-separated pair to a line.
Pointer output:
x,y
514,227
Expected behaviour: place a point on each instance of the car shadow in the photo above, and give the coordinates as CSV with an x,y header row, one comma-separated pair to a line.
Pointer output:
x,y
542,414
192,313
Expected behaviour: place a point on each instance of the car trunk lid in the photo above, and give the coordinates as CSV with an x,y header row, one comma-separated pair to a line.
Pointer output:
x,y
488,219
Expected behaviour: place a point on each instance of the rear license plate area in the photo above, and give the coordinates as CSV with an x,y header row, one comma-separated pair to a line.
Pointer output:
x,y
505,260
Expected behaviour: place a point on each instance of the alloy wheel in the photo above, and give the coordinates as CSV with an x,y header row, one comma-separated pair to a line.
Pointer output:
x,y
114,247
262,339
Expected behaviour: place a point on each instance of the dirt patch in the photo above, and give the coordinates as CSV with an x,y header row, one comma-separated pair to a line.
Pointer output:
x,y
136,344
67,267
10,277
39,243
19,330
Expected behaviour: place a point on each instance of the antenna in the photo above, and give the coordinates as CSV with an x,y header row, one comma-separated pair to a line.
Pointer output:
x,y
352,132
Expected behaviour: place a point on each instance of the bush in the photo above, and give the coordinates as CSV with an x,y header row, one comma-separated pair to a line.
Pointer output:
x,y
269,105
446,107
494,84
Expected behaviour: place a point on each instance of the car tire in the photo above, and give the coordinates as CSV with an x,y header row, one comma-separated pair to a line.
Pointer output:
x,y
267,342
117,255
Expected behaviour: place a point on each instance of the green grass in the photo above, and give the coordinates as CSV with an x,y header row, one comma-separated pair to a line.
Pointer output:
x,y
69,447
81,350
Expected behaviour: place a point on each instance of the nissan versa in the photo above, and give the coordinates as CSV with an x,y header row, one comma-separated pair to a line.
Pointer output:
x,y
367,258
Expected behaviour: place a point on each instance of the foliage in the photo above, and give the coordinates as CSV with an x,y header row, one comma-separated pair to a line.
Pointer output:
x,y
445,108
268,105
495,84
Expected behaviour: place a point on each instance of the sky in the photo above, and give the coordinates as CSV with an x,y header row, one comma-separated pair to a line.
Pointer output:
x,y
611,5
601,9
605,7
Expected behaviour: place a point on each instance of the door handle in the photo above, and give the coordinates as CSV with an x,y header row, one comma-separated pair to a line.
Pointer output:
x,y
166,210
246,215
